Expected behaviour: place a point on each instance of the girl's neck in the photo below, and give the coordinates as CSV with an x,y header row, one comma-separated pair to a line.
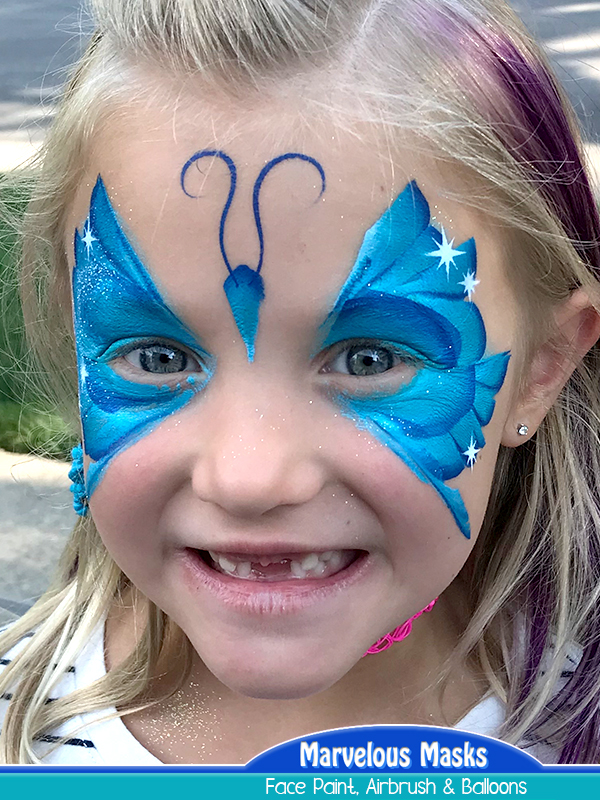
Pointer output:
x,y
203,721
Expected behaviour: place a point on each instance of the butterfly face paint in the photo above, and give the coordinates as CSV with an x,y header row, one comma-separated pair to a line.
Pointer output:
x,y
118,308
411,287
244,286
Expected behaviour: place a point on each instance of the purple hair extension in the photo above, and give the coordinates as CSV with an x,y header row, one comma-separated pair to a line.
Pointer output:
x,y
543,142
540,598
536,131
581,742
538,134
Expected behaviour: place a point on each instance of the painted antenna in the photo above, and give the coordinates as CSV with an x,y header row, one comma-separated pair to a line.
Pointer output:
x,y
244,286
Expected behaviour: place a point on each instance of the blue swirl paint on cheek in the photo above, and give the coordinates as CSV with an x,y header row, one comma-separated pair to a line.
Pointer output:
x,y
403,290
115,304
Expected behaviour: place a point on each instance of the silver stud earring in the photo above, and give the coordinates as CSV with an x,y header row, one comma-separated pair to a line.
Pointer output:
x,y
522,429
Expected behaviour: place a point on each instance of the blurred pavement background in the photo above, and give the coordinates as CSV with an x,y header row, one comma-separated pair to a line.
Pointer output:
x,y
35,519
38,41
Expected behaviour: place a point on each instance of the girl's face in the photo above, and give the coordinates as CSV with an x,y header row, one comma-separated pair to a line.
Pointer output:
x,y
290,461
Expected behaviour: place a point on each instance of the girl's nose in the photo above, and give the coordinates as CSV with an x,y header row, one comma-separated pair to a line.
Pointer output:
x,y
256,458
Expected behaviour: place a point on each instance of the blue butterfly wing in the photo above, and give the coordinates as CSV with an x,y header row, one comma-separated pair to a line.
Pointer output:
x,y
115,298
397,291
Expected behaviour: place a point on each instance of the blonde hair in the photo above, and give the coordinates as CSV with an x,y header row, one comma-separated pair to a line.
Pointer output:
x,y
465,80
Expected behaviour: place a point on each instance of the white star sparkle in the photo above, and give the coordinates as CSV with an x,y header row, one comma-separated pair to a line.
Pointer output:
x,y
88,238
471,453
446,253
469,283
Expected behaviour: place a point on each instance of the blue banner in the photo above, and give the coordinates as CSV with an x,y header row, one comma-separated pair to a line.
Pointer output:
x,y
362,762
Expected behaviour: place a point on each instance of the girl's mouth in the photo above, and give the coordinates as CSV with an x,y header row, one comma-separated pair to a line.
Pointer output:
x,y
275,583
280,566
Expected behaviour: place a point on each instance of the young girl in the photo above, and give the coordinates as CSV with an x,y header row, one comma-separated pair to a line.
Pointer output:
x,y
329,271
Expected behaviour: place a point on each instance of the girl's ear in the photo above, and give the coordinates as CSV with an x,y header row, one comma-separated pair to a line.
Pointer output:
x,y
577,329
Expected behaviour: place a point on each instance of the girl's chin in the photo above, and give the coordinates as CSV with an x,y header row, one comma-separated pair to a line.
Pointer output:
x,y
257,673
275,687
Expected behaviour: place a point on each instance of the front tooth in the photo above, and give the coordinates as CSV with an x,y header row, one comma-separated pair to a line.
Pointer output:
x,y
319,569
244,568
326,555
265,561
310,561
214,556
296,569
226,564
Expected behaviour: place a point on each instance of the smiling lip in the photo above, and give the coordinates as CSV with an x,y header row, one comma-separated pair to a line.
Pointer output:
x,y
272,588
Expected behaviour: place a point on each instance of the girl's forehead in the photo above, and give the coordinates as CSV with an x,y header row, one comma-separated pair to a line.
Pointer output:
x,y
308,193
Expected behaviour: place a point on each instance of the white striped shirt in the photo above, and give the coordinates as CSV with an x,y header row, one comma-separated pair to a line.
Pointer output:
x,y
92,740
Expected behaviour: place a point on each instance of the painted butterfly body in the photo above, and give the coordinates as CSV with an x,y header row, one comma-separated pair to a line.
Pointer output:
x,y
244,286
245,290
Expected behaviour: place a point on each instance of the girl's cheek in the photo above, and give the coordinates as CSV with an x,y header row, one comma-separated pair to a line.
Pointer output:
x,y
130,500
418,533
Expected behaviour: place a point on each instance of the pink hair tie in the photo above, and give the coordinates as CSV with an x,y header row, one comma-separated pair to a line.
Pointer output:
x,y
398,634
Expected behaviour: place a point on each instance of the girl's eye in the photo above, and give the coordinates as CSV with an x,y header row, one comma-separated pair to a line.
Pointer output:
x,y
363,360
368,359
368,365
158,359
148,362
